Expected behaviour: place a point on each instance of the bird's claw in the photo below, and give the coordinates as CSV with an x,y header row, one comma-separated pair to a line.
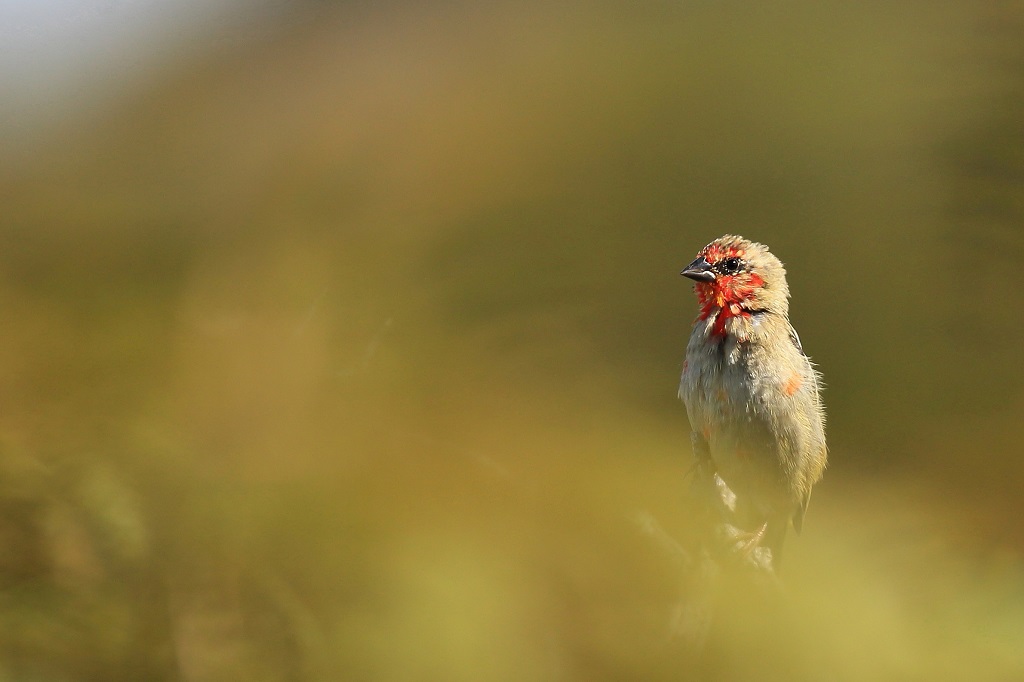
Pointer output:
x,y
745,545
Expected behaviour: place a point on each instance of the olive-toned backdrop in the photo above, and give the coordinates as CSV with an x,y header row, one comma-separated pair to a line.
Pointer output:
x,y
347,348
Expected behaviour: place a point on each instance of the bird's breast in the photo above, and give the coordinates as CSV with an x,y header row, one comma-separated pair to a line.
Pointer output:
x,y
716,383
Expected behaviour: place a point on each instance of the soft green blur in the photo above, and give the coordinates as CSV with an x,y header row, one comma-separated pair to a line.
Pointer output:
x,y
349,351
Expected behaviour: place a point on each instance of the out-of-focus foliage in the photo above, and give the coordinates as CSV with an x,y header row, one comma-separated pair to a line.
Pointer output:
x,y
351,352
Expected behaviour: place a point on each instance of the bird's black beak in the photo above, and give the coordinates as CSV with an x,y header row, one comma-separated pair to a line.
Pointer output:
x,y
699,270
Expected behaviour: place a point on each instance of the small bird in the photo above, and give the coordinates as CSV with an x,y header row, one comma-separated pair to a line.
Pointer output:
x,y
752,395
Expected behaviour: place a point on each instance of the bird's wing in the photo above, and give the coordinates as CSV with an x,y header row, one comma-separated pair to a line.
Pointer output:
x,y
795,338
798,513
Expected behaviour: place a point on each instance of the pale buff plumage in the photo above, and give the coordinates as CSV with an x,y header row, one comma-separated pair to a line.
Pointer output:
x,y
752,396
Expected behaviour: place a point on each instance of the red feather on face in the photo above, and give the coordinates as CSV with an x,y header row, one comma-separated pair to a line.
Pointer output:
x,y
726,292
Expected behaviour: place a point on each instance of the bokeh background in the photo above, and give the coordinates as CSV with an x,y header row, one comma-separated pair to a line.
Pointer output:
x,y
340,340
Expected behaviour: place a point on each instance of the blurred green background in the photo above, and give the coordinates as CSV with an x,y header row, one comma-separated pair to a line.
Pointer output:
x,y
344,344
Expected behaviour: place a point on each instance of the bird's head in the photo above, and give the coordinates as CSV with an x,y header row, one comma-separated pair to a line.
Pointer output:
x,y
738,276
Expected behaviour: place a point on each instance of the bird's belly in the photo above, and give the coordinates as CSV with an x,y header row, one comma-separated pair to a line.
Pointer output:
x,y
725,406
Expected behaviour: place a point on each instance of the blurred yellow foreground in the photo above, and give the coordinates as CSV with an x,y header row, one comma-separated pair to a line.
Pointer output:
x,y
348,350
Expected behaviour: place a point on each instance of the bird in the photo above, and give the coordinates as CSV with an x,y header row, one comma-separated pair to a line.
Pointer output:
x,y
752,396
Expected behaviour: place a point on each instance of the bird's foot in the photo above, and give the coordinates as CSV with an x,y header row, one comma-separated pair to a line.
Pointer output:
x,y
746,545
752,542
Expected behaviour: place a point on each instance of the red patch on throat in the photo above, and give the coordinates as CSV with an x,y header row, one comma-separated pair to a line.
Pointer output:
x,y
726,294
792,384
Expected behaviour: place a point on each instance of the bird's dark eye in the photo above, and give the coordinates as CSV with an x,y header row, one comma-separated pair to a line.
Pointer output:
x,y
730,266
